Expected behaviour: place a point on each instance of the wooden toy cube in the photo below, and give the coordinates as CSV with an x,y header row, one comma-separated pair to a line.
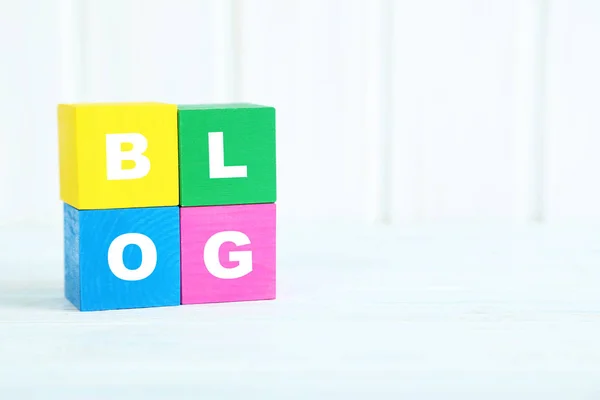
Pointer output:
x,y
118,155
122,258
226,154
228,253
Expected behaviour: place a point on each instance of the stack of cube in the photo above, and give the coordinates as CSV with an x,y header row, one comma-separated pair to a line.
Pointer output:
x,y
167,204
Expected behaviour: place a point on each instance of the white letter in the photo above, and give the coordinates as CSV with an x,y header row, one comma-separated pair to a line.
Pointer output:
x,y
211,255
216,159
115,156
115,257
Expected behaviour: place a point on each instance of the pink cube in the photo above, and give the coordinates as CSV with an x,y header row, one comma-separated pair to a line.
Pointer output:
x,y
228,253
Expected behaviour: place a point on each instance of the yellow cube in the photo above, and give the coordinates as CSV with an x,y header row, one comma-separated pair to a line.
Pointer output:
x,y
118,155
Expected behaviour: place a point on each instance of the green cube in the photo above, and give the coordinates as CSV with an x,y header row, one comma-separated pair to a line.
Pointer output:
x,y
226,154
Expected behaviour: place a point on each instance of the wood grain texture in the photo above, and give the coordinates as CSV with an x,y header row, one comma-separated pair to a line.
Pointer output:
x,y
248,140
203,264
71,251
87,249
83,130
67,154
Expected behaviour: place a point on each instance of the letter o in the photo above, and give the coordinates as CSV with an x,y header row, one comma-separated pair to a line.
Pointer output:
x,y
115,257
211,255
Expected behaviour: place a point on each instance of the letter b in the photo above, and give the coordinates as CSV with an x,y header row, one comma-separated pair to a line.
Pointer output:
x,y
118,155
115,156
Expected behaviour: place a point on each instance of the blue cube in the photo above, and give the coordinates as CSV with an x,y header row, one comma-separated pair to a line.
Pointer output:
x,y
122,258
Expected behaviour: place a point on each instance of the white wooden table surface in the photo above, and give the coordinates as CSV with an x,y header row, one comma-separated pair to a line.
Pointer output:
x,y
429,312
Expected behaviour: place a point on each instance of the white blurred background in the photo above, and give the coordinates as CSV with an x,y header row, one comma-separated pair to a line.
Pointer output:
x,y
406,112
388,111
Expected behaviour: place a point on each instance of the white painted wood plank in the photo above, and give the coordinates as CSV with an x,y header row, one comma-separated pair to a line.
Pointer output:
x,y
30,88
307,58
454,118
573,124
157,50
530,107
378,109
444,312
72,50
